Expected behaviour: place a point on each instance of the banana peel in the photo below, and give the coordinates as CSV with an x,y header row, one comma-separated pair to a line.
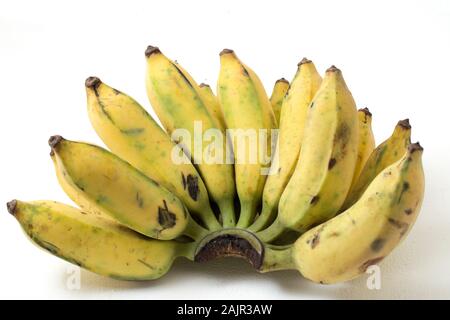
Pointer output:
x,y
333,204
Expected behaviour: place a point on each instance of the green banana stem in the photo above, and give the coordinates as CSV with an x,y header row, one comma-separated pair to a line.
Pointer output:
x,y
210,220
248,209
263,220
228,215
277,259
186,250
194,230
272,232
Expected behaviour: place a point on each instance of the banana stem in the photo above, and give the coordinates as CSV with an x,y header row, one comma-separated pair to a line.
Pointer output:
x,y
277,259
263,220
186,250
248,209
272,232
210,220
194,230
227,211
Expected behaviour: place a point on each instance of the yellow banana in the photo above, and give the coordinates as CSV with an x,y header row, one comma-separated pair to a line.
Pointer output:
x,y
176,100
345,246
327,159
98,245
247,112
132,134
366,141
293,117
276,99
115,188
212,103
384,155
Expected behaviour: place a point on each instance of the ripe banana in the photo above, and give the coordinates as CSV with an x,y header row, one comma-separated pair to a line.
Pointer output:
x,y
132,134
115,188
176,99
366,141
212,104
135,215
247,110
293,117
324,170
383,156
276,99
96,244
345,246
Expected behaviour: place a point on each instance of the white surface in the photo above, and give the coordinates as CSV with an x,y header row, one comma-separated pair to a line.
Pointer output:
x,y
395,58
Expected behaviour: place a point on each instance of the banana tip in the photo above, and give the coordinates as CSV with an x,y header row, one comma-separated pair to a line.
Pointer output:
x,y
225,51
414,147
366,111
282,80
54,140
11,206
404,124
333,68
201,85
304,61
92,82
151,50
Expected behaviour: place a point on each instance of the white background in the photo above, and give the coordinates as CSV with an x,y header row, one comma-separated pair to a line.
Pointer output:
x,y
394,56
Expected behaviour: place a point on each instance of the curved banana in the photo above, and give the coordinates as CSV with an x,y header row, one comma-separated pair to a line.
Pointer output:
x,y
293,117
327,159
212,103
276,99
113,187
98,245
247,113
132,134
176,100
366,141
345,246
383,156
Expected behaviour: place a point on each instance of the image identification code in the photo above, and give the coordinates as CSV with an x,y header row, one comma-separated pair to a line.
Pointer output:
x,y
233,310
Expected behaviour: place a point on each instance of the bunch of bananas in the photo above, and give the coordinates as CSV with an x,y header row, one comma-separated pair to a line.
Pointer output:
x,y
322,199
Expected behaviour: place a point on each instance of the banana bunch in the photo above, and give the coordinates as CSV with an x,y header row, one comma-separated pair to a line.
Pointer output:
x,y
294,181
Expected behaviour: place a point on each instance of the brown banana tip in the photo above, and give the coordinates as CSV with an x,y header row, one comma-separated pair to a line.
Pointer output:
x,y
92,82
366,111
151,50
225,51
404,124
304,61
11,206
333,69
413,147
201,85
53,141
282,80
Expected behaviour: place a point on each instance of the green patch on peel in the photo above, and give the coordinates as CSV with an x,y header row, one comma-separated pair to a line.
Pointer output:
x,y
132,131
102,199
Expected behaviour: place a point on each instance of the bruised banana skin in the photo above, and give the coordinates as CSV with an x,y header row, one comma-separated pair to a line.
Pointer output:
x,y
293,118
132,134
366,141
276,99
324,170
113,187
345,246
99,245
212,103
246,109
177,101
383,156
